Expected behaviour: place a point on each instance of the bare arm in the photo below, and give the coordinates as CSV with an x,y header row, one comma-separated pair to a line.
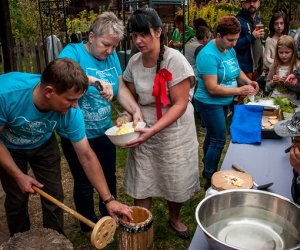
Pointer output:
x,y
244,80
214,88
128,102
179,95
94,172
131,88
24,181
107,91
295,159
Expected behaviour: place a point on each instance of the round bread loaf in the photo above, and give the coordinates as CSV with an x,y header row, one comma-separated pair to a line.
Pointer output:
x,y
231,179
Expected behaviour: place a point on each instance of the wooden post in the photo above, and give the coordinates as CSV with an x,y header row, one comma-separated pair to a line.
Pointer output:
x,y
33,58
6,36
19,56
26,59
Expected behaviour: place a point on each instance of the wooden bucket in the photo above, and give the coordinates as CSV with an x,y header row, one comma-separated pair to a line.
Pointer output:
x,y
136,234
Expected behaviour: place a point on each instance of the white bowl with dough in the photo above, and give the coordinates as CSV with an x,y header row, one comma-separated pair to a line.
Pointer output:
x,y
126,136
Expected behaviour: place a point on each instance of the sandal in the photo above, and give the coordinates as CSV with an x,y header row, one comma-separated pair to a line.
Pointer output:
x,y
181,234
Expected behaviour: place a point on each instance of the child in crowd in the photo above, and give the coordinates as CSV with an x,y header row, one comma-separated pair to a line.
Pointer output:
x,y
285,62
178,39
278,26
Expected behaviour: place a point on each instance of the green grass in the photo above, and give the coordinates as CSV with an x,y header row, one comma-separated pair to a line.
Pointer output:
x,y
164,237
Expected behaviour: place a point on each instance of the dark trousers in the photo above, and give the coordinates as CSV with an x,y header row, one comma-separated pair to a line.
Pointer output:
x,y
45,163
83,189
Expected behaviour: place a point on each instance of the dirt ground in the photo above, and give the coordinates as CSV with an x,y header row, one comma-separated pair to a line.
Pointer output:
x,y
71,223
4,235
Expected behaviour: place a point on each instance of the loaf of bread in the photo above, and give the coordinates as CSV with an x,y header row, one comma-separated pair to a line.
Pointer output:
x,y
231,179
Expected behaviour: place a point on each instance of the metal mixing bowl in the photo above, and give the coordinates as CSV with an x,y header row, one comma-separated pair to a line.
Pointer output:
x,y
249,219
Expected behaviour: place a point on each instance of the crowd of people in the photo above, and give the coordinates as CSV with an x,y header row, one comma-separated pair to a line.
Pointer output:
x,y
73,97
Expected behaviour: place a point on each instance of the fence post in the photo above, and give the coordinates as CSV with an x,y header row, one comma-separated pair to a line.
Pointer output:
x,y
26,57
38,58
18,56
34,58
40,49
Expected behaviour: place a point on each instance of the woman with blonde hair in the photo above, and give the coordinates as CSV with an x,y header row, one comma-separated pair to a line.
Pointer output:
x,y
285,62
99,60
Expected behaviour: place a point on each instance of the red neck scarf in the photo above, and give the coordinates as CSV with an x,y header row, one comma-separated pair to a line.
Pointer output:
x,y
160,90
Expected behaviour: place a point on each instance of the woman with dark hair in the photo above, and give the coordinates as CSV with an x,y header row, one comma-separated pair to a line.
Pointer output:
x,y
278,26
218,82
163,161
177,37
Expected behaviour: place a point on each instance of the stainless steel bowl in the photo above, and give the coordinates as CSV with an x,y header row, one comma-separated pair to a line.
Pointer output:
x,y
249,219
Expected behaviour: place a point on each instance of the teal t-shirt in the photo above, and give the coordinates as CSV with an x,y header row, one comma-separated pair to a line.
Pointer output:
x,y
211,61
96,110
25,127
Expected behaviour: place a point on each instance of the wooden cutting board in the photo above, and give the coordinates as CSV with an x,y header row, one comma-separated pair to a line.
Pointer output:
x,y
231,179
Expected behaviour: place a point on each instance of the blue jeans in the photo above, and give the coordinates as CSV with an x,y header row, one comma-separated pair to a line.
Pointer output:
x,y
83,190
214,118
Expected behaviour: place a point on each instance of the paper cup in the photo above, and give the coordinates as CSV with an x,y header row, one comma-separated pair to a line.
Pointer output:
x,y
259,27
282,72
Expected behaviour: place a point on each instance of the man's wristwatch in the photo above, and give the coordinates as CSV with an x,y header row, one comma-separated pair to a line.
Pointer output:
x,y
111,198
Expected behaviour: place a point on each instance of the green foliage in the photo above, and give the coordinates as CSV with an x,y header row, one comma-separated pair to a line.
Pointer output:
x,y
270,6
24,19
84,19
285,104
82,22
212,12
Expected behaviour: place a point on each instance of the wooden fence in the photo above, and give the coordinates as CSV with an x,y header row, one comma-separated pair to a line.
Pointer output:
x,y
27,57
30,56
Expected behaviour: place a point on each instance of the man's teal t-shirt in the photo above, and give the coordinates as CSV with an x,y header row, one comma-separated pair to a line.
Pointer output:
x,y
96,110
25,127
211,61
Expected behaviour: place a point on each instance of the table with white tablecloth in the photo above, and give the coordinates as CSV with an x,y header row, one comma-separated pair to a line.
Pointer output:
x,y
266,162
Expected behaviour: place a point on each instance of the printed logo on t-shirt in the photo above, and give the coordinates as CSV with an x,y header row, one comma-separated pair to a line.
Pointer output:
x,y
231,71
96,110
108,75
27,132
